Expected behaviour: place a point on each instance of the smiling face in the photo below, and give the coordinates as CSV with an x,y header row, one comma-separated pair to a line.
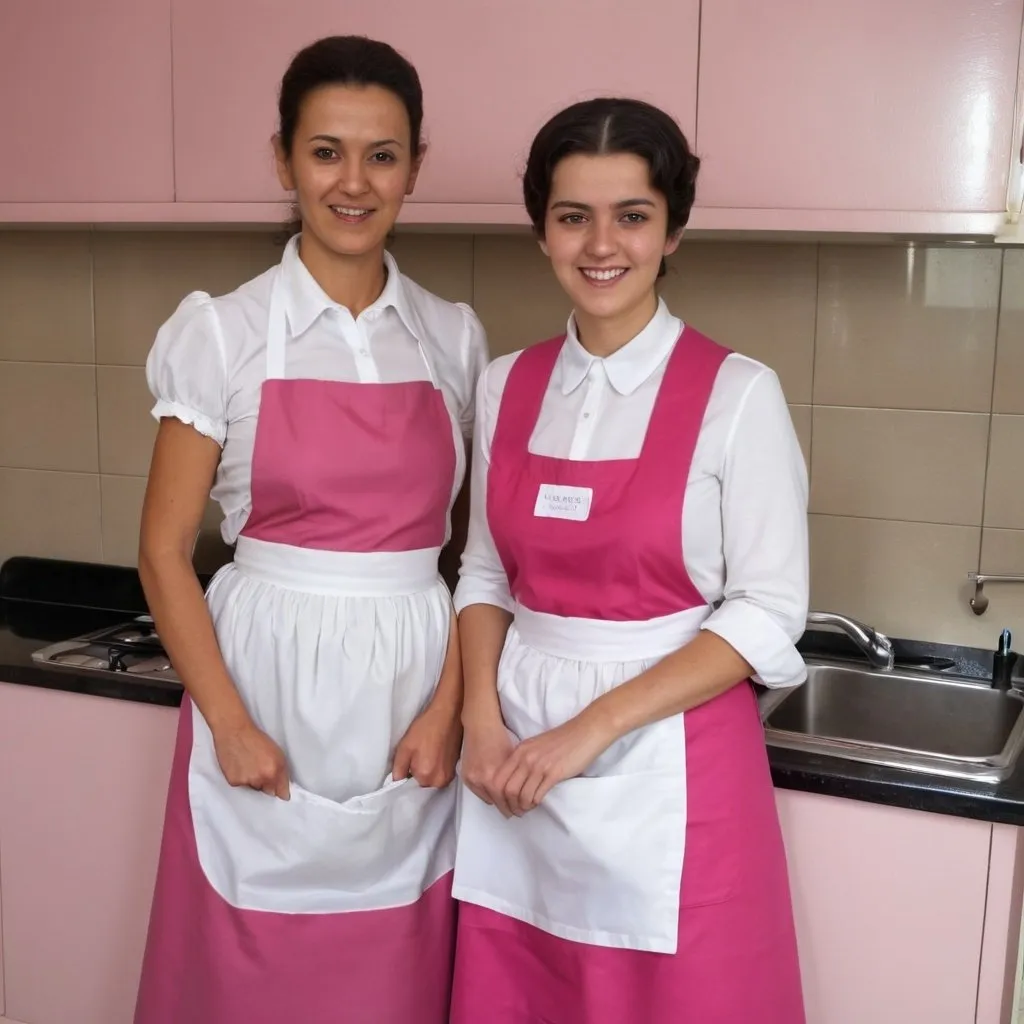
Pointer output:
x,y
606,232
351,165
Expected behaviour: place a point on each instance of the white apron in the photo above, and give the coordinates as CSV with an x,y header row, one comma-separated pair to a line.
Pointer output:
x,y
335,652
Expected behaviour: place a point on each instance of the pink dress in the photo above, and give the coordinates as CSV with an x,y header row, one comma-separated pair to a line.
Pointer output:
x,y
333,906
653,889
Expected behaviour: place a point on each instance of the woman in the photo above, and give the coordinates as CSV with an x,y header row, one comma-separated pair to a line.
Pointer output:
x,y
305,871
637,552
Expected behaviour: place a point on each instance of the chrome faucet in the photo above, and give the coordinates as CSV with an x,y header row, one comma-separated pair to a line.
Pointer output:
x,y
877,647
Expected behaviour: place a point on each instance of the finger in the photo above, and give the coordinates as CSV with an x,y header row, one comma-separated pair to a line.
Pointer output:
x,y
425,774
402,767
282,789
545,787
480,792
496,796
514,790
496,785
534,789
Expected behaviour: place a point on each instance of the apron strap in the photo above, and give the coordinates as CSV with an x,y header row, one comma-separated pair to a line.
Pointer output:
x,y
683,397
523,396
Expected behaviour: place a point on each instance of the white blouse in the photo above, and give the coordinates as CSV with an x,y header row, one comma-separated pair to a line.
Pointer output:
x,y
209,360
744,524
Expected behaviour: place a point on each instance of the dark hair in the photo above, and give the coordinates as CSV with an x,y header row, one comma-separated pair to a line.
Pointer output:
x,y
348,60
603,126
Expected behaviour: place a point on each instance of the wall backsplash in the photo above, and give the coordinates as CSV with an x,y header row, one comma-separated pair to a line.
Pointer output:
x,y
903,366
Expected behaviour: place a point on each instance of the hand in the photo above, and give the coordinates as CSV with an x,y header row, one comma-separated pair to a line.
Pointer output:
x,y
429,750
488,746
249,757
541,762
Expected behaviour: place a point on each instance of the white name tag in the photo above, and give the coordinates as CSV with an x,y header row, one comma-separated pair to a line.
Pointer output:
x,y
554,502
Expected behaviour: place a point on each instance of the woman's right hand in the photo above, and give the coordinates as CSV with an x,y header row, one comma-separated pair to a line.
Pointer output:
x,y
249,757
486,747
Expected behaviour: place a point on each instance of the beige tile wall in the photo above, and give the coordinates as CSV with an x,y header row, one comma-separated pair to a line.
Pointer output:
x,y
903,366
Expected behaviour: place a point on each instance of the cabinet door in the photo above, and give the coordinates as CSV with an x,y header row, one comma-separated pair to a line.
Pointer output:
x,y
890,909
83,782
491,73
857,104
86,115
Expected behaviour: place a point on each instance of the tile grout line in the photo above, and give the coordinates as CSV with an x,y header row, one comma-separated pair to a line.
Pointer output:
x,y
96,381
814,355
991,406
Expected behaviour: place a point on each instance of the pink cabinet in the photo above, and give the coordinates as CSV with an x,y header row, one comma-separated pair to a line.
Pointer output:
x,y
491,74
86,116
83,782
902,915
862,105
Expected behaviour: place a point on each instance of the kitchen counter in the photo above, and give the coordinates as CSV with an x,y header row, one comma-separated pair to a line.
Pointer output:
x,y
24,629
28,622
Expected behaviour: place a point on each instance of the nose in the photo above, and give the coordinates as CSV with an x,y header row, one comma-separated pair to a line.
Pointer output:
x,y
352,180
601,239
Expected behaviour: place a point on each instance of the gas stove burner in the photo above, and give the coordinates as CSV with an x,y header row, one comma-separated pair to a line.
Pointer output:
x,y
133,648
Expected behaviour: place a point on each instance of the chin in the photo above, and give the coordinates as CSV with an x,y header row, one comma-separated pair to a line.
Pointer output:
x,y
349,241
604,307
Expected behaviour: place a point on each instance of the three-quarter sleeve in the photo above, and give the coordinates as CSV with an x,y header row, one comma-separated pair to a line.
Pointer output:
x,y
187,368
482,578
764,537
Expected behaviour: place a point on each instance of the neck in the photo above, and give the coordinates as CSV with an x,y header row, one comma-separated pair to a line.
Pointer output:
x,y
601,336
354,282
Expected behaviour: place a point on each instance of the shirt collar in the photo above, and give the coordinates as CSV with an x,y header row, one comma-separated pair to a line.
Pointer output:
x,y
628,367
305,300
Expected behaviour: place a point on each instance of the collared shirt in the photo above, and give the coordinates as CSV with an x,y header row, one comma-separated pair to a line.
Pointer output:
x,y
208,362
744,522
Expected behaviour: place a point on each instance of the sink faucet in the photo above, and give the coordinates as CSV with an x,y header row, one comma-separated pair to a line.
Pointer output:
x,y
877,647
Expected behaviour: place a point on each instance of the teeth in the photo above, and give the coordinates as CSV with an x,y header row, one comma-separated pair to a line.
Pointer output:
x,y
603,275
349,211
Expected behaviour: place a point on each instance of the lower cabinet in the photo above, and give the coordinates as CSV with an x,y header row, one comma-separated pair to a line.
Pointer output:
x,y
83,782
903,917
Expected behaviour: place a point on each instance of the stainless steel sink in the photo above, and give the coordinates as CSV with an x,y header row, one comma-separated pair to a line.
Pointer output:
x,y
939,724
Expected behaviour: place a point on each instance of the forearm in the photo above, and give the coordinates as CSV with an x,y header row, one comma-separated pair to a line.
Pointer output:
x,y
449,689
706,667
176,602
482,631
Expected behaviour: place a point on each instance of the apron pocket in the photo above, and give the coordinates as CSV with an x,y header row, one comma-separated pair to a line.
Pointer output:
x,y
597,862
312,855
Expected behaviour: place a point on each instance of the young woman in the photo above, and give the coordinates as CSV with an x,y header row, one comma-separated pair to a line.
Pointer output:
x,y
305,873
637,552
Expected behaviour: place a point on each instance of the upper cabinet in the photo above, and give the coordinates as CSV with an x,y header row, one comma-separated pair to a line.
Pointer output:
x,y
86,116
851,116
857,105
491,74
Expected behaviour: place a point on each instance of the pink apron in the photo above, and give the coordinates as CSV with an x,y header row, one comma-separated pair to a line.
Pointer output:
x,y
653,889
335,906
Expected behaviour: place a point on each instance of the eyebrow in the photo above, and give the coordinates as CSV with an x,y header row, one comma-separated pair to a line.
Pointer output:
x,y
572,205
335,141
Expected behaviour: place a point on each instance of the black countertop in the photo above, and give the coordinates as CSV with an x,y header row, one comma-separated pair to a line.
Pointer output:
x,y
25,628
34,616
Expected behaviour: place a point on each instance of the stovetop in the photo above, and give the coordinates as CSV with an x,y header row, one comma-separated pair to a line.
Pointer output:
x,y
133,647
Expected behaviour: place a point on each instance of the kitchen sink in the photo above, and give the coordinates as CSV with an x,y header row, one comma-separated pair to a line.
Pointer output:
x,y
938,724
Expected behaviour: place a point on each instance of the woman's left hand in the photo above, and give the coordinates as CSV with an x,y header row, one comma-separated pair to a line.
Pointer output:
x,y
541,762
429,750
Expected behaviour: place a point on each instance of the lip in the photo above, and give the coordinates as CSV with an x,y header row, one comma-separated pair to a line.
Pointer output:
x,y
349,218
601,284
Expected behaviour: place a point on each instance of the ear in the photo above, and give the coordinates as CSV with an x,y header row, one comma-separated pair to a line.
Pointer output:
x,y
543,246
284,166
672,242
414,173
